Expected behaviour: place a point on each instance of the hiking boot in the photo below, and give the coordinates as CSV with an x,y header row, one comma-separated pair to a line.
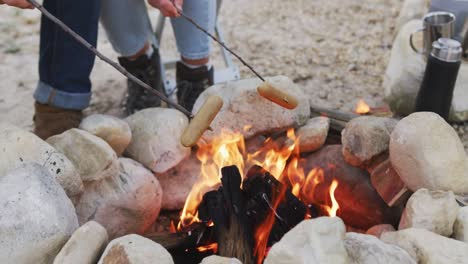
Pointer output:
x,y
50,121
147,70
191,83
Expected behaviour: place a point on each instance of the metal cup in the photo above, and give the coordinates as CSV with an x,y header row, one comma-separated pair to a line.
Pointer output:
x,y
435,25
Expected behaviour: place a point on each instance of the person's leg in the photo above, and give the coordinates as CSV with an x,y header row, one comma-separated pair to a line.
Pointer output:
x,y
129,30
194,72
64,87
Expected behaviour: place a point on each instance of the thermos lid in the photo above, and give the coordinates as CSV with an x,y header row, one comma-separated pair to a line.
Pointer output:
x,y
446,49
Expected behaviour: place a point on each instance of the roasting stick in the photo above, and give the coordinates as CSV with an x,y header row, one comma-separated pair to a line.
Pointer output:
x,y
199,123
266,89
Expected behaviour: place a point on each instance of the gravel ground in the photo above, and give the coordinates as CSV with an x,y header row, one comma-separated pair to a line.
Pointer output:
x,y
337,51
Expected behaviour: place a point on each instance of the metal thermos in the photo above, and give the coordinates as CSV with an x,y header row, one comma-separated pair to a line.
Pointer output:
x,y
436,92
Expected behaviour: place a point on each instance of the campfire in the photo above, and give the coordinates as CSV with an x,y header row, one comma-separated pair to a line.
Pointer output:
x,y
248,197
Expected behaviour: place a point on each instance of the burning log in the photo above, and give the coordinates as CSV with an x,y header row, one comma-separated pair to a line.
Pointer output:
x,y
226,209
360,205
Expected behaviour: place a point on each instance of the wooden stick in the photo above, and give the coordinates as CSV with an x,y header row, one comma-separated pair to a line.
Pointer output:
x,y
116,66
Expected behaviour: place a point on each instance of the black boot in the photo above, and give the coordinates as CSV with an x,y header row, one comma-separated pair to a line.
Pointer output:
x,y
147,70
191,83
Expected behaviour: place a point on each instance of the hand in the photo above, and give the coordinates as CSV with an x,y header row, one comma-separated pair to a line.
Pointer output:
x,y
166,7
17,3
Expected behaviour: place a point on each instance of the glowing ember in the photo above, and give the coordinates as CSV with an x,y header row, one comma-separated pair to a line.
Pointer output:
x,y
362,108
172,228
334,208
211,247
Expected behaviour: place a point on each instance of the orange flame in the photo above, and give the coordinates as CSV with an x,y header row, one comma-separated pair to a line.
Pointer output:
x,y
334,208
211,247
362,107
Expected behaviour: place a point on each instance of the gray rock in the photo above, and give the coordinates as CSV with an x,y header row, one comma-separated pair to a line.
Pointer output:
x,y
36,216
93,157
319,240
18,146
378,230
434,211
85,246
116,132
405,72
125,203
460,228
178,182
427,153
427,247
220,260
156,138
244,107
367,249
365,138
313,134
135,249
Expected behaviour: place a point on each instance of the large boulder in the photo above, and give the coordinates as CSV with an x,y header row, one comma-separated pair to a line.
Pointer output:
x,y
116,132
319,240
367,249
85,245
405,72
245,108
427,153
92,156
366,137
460,228
135,249
18,146
427,247
313,134
36,216
434,211
126,203
178,182
411,9
156,138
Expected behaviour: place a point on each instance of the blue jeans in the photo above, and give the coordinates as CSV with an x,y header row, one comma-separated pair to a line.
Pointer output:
x,y
64,65
128,26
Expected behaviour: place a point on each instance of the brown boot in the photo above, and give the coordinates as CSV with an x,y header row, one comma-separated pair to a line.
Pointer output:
x,y
50,120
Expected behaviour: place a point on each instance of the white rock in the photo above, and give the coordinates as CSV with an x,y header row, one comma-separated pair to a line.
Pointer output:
x,y
93,157
220,260
405,72
85,246
313,134
246,112
427,247
135,249
156,138
125,203
116,132
36,216
319,240
411,9
378,230
367,249
460,228
178,182
434,211
427,153
18,146
366,137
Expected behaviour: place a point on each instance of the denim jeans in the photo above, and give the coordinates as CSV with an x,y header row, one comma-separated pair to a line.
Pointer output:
x,y
64,65
128,26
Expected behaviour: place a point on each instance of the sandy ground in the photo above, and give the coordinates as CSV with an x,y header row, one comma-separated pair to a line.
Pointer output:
x,y
337,51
